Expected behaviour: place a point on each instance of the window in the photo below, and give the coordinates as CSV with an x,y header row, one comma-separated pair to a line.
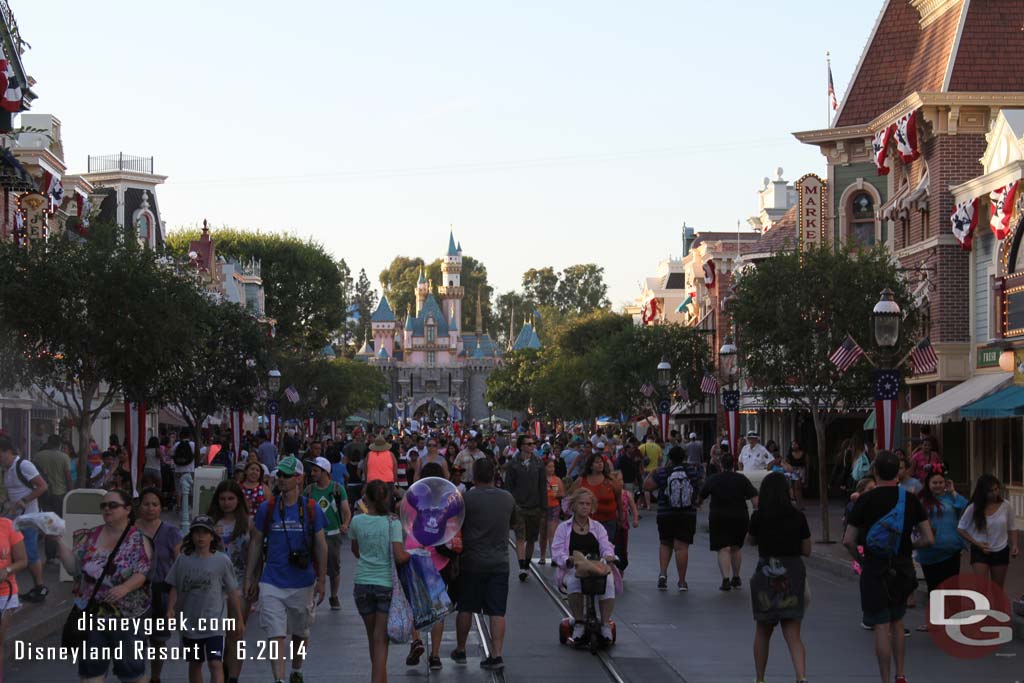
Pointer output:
x,y
905,228
431,357
862,220
143,225
431,334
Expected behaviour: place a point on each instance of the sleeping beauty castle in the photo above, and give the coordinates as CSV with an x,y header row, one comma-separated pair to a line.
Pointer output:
x,y
434,368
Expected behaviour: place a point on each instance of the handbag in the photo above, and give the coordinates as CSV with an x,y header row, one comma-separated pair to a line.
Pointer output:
x,y
426,590
73,635
400,617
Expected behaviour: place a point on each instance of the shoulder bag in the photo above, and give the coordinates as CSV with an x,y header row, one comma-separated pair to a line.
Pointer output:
x,y
73,635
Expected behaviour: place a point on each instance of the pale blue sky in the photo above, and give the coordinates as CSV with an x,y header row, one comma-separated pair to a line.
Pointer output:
x,y
548,133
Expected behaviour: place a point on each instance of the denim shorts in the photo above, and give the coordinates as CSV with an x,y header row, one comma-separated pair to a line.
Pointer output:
x,y
31,534
209,649
371,598
128,668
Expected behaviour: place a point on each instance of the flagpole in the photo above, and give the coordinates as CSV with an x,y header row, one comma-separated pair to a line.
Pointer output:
x,y
828,97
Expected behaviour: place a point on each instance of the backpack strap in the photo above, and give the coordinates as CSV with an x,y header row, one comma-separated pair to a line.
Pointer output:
x,y
266,523
26,482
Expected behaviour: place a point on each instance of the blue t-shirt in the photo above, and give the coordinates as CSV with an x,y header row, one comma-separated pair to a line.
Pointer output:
x,y
277,571
339,473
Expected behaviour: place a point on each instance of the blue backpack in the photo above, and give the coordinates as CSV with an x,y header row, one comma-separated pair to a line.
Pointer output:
x,y
885,535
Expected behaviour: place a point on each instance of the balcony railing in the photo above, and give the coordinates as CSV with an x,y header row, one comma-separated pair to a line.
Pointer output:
x,y
120,162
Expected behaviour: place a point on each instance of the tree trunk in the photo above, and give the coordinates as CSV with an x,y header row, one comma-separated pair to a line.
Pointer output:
x,y
84,429
819,430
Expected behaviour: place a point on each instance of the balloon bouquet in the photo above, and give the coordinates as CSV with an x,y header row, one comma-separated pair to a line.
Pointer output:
x,y
432,512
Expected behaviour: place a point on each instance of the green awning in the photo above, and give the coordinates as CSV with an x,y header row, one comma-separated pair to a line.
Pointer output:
x,y
1007,403
869,426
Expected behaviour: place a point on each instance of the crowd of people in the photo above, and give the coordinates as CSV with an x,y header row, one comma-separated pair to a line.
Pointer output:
x,y
271,542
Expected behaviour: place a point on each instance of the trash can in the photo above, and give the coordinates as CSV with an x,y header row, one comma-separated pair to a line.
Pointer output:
x,y
81,511
205,482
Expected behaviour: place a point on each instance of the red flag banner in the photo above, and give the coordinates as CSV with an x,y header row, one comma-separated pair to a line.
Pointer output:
x,y
906,137
1002,207
887,389
964,220
709,274
880,145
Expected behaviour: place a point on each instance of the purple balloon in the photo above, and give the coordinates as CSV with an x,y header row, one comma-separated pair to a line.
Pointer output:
x,y
432,511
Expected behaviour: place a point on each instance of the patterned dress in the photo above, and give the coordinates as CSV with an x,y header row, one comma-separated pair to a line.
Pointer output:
x,y
131,559
253,498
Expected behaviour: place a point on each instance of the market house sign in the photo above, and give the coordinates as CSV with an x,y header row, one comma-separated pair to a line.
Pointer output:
x,y
811,194
988,358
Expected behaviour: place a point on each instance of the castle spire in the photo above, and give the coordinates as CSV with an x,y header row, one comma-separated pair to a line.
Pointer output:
x,y
479,316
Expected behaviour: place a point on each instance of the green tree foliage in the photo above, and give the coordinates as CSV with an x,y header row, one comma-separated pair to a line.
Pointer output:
x,y
305,286
581,288
399,279
92,321
791,313
366,303
506,307
343,387
398,282
540,285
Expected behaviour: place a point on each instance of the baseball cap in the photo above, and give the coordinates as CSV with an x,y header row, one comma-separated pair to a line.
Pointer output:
x,y
693,435
290,465
600,445
753,435
203,522
321,462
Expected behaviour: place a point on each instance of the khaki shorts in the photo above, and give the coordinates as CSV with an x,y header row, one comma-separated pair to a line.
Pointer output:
x,y
286,611
334,545
528,521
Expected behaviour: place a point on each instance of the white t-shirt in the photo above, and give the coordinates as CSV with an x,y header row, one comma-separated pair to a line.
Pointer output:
x,y
420,452
15,489
191,467
756,458
997,527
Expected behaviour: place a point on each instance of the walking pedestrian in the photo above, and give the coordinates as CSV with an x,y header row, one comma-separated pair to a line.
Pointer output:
x,y
944,506
252,486
882,521
988,525
778,588
483,580
694,450
432,455
332,498
184,455
555,491
677,516
205,596
12,560
286,568
526,480
165,539
24,486
728,519
607,490
232,523
377,544
796,464
55,468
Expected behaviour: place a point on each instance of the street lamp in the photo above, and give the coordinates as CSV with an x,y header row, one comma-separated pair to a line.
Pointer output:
x,y
490,414
727,359
885,317
664,372
274,380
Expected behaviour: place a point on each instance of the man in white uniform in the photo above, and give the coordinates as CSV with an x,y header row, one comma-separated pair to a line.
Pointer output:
x,y
754,456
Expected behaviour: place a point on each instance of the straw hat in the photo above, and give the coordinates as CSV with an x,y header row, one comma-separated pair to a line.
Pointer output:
x,y
379,444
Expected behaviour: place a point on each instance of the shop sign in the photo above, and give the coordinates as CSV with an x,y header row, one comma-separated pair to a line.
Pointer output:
x,y
988,358
811,197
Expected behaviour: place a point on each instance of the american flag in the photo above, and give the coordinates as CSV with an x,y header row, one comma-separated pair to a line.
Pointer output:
x,y
647,389
292,394
848,353
832,90
923,357
709,385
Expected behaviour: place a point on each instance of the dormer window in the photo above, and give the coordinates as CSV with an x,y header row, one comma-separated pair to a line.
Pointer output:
x,y
144,227
431,331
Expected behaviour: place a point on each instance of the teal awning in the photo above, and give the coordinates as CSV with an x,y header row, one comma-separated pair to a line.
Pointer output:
x,y
1007,403
869,424
681,308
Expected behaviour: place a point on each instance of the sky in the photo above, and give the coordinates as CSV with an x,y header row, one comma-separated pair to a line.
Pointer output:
x,y
546,133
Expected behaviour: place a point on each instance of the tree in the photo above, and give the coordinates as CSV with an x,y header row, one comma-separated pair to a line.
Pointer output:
x,y
365,300
508,306
342,387
582,288
91,321
304,285
224,368
792,311
540,285
398,282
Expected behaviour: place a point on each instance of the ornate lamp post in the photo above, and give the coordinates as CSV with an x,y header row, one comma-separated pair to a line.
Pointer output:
x,y
728,357
885,321
490,415
664,379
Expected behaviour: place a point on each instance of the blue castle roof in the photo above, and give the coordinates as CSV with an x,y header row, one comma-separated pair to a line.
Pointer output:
x,y
452,249
527,339
383,314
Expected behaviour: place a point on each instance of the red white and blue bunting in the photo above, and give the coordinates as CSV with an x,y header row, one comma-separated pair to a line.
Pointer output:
x,y
10,87
906,137
880,145
964,220
1002,206
53,189
709,274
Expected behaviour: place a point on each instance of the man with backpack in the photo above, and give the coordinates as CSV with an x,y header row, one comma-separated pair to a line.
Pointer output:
x,y
677,515
332,498
288,552
882,522
183,454
24,486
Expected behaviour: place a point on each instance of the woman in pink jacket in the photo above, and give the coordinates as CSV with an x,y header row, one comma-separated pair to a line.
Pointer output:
x,y
583,534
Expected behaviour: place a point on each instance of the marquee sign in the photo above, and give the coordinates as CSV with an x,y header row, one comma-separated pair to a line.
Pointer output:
x,y
35,210
811,197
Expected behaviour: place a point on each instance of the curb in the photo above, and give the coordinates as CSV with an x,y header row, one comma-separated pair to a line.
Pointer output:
x,y
44,622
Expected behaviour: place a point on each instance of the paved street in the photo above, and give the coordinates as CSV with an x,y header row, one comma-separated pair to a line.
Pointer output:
x,y
703,635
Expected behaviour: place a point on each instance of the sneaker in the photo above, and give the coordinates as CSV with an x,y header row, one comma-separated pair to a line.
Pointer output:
x,y
606,632
725,585
901,679
492,664
335,603
577,631
415,652
523,575
736,582
36,594
542,561
458,656
866,627
296,677
682,587
434,663
662,583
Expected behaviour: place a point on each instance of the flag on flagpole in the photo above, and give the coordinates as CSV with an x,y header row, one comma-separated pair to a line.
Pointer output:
x,y
236,434
731,404
647,389
964,220
273,409
292,394
709,385
135,440
832,90
311,424
51,186
923,357
848,353
887,390
1002,208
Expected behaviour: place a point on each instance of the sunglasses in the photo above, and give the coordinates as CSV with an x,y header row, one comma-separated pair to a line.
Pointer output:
x,y
110,505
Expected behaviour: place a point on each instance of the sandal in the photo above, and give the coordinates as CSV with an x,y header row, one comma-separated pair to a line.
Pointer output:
x,y
416,650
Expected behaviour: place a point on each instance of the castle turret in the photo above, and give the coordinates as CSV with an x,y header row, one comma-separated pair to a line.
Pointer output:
x,y
385,327
453,331
451,290
422,290
407,334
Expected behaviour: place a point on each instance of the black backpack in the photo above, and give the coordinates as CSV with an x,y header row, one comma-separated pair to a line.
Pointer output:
x,y
183,454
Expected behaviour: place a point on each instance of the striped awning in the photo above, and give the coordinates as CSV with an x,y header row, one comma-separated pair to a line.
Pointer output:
x,y
946,407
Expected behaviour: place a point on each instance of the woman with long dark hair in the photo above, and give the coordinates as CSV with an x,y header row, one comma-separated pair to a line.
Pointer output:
x,y
166,542
231,520
253,489
941,560
778,588
607,491
988,525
